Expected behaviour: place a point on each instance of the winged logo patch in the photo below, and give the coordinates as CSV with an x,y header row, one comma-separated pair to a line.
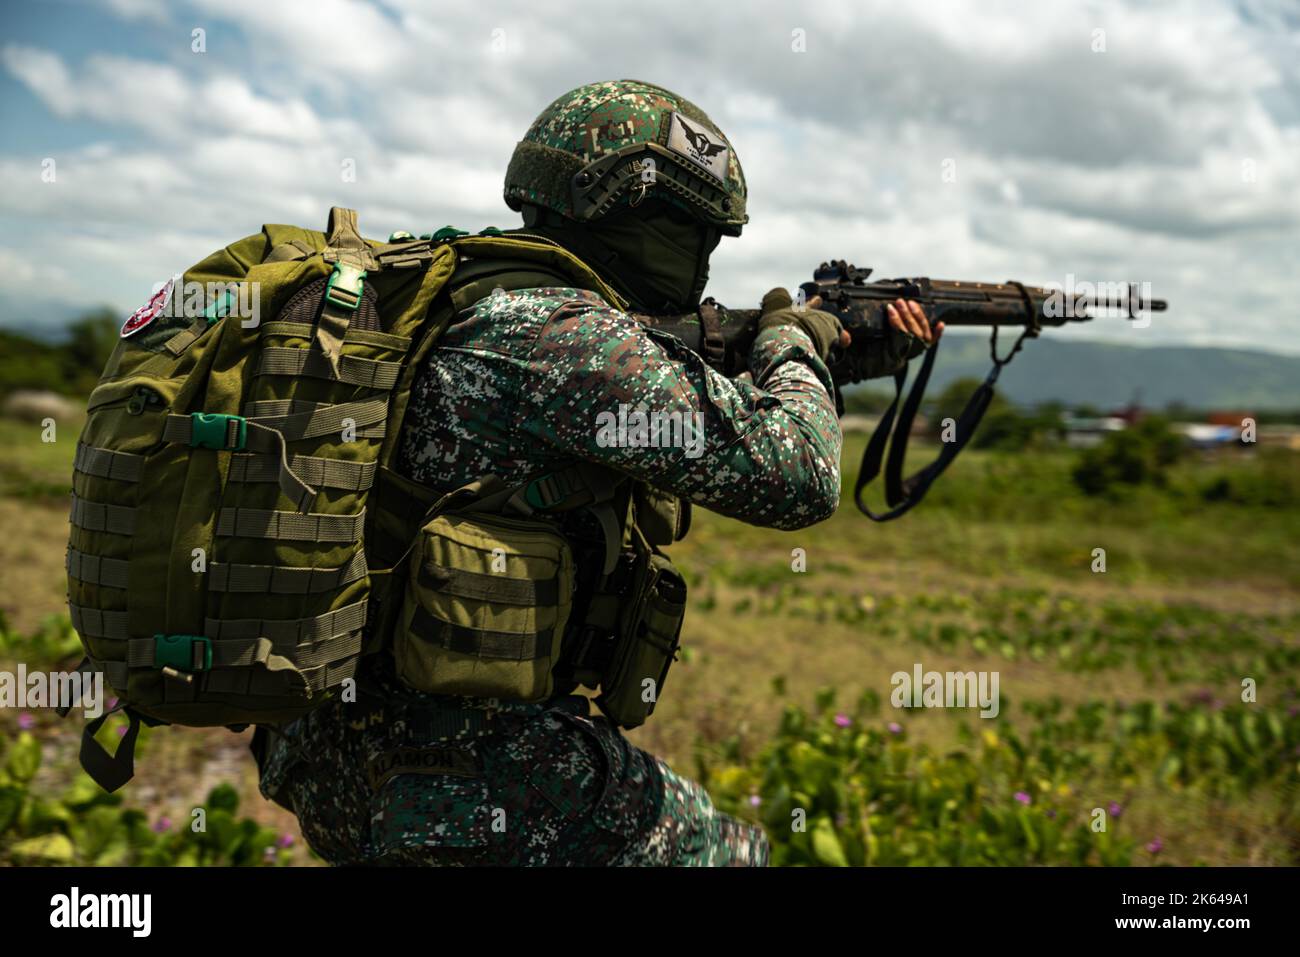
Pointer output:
x,y
699,144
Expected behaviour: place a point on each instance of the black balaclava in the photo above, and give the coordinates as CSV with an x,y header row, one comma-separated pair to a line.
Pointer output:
x,y
655,254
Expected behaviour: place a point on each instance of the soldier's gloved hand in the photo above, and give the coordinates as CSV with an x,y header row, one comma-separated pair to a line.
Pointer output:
x,y
823,328
910,334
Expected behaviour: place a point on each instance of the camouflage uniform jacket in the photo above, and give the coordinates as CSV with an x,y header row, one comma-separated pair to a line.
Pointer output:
x,y
515,389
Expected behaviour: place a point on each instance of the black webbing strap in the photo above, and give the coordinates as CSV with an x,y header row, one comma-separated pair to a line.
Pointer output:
x,y
901,495
110,771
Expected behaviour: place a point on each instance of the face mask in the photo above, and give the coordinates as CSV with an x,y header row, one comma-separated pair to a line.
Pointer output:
x,y
657,256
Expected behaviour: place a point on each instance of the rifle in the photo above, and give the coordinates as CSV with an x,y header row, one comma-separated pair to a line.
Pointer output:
x,y
724,337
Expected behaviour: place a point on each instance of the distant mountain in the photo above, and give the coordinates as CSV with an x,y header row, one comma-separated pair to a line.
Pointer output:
x,y
1107,375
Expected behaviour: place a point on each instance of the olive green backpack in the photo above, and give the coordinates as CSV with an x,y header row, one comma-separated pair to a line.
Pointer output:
x,y
218,571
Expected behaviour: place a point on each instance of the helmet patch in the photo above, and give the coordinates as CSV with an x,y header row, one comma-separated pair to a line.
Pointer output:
x,y
698,144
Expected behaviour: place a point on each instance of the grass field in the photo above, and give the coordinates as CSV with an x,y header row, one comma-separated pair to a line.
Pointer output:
x,y
1119,690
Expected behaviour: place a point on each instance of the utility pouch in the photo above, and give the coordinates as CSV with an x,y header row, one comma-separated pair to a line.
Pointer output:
x,y
646,644
487,600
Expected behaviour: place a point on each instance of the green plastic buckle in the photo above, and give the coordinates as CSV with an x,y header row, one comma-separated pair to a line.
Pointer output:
x,y
345,286
490,231
401,236
219,307
211,430
448,232
182,652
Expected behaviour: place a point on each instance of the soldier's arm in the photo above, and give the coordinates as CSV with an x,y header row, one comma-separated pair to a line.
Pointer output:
x,y
766,453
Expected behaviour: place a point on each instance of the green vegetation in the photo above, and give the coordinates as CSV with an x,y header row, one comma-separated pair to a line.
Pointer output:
x,y
1138,455
85,826
70,367
1120,690
1004,427
843,789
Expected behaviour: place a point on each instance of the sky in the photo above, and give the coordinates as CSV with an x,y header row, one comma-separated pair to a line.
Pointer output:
x,y
1105,141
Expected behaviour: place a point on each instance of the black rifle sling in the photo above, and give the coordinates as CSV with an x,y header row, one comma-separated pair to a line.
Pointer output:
x,y
901,495
904,494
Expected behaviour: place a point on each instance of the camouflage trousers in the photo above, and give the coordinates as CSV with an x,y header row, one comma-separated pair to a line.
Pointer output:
x,y
398,783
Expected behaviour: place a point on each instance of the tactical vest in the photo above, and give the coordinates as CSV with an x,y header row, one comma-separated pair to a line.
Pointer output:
x,y
240,537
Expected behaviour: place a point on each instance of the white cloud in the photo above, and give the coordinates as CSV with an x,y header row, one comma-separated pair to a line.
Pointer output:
x,y
155,10
1123,164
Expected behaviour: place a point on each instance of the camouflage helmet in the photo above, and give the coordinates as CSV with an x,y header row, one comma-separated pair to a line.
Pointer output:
x,y
612,144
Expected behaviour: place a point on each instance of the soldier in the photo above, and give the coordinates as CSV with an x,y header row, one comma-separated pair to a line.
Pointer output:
x,y
640,185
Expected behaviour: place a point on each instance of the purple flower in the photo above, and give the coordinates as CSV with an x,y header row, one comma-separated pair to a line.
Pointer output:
x,y
843,720
895,728
755,800
1022,797
163,823
286,840
25,721
1155,846
1114,809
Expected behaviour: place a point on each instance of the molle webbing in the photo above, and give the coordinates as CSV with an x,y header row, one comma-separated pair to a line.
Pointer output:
x,y
237,652
281,580
297,419
480,643
219,568
317,472
101,517
333,624
290,526
103,463
466,584
371,373
95,570
94,623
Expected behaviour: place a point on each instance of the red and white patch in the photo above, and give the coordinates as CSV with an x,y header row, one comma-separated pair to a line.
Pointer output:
x,y
150,310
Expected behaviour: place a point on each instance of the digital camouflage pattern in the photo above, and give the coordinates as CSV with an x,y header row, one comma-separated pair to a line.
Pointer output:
x,y
525,785
602,118
515,389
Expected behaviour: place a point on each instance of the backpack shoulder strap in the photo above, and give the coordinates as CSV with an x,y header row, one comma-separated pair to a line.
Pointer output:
x,y
352,259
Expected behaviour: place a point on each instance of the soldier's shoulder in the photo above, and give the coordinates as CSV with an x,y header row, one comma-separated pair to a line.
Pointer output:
x,y
541,301
521,319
